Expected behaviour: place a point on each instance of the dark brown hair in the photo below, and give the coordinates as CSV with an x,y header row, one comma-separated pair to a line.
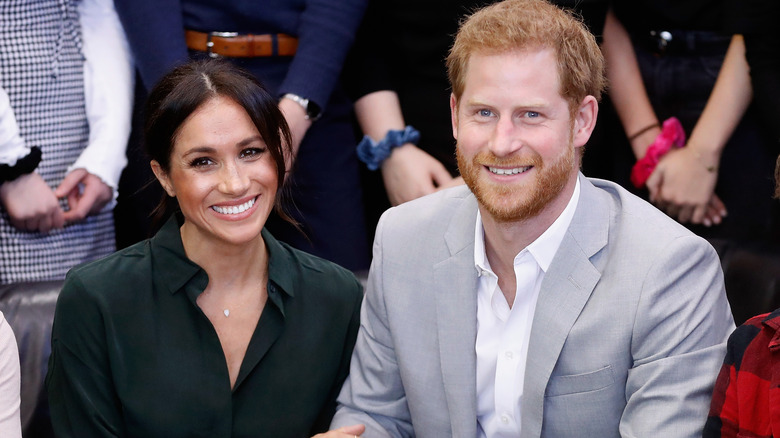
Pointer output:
x,y
183,90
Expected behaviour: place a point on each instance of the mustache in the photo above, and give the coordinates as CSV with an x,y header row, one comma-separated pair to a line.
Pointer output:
x,y
487,158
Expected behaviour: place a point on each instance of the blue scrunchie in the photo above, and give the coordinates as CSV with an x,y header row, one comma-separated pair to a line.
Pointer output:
x,y
374,153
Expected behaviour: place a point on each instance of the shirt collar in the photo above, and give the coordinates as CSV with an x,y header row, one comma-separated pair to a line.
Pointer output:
x,y
168,257
542,249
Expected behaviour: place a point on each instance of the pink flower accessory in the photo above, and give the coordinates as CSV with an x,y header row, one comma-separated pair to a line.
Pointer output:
x,y
672,134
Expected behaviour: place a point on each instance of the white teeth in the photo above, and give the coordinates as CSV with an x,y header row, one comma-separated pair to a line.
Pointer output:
x,y
235,209
516,170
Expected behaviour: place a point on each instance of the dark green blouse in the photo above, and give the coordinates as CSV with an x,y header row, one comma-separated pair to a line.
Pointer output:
x,y
134,356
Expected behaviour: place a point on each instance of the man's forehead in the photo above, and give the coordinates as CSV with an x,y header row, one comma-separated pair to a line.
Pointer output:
x,y
531,54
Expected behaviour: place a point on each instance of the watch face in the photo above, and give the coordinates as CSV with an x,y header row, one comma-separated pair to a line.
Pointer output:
x,y
313,111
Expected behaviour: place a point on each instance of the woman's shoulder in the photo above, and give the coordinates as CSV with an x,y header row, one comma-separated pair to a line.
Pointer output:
x,y
128,260
122,270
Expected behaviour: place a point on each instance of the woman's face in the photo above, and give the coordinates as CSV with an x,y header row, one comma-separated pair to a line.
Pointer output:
x,y
221,173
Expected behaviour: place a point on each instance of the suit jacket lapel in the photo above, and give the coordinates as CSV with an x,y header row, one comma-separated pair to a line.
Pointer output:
x,y
566,288
455,279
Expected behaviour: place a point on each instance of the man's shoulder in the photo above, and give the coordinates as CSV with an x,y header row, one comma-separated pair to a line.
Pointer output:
x,y
434,207
632,214
432,222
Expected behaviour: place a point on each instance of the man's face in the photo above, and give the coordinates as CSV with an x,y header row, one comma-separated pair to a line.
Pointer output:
x,y
515,134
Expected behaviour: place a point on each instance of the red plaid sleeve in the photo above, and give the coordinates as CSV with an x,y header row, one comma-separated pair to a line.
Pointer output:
x,y
744,390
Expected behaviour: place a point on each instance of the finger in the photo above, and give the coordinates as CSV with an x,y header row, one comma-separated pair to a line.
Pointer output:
x,y
58,219
354,429
45,224
685,214
20,224
70,183
719,206
80,206
30,224
700,215
654,185
672,210
713,216
440,176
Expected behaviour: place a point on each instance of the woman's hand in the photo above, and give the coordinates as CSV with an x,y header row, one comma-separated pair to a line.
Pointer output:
x,y
409,173
87,194
684,187
31,204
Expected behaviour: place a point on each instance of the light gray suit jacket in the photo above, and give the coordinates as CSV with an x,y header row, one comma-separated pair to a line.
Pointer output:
x,y
627,339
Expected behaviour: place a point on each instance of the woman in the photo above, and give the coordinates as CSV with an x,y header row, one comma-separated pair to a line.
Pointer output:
x,y
297,48
211,328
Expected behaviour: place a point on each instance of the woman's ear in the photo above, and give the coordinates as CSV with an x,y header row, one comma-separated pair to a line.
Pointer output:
x,y
162,176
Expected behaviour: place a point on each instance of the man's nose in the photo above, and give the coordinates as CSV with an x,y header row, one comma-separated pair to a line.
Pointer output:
x,y
505,139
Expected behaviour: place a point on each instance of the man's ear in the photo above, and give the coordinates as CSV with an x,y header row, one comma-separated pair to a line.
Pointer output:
x,y
162,176
454,115
585,121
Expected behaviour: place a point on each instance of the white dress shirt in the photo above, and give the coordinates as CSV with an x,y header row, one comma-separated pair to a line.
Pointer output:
x,y
108,88
503,332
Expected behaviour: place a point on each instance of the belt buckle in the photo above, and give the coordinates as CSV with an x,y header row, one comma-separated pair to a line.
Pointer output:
x,y
210,43
661,39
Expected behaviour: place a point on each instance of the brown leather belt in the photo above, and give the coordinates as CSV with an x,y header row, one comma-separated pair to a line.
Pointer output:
x,y
236,45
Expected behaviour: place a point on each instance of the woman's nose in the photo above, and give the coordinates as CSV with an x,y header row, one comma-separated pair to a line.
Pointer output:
x,y
233,180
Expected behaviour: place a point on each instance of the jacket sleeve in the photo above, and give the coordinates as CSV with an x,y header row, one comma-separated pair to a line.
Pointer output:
x,y
678,342
373,393
326,32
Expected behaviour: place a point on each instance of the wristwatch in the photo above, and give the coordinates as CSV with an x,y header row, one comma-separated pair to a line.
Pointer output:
x,y
313,111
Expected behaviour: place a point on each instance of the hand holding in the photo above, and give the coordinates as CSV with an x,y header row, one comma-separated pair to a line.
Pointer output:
x,y
352,431
31,204
87,194
683,187
409,173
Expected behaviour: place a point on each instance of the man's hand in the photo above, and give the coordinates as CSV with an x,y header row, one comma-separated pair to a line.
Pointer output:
x,y
352,431
31,204
682,186
409,173
87,194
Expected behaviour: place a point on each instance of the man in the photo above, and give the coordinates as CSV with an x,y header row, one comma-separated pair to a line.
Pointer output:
x,y
534,302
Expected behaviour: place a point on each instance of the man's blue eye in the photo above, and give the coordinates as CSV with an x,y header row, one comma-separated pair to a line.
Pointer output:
x,y
485,113
532,114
